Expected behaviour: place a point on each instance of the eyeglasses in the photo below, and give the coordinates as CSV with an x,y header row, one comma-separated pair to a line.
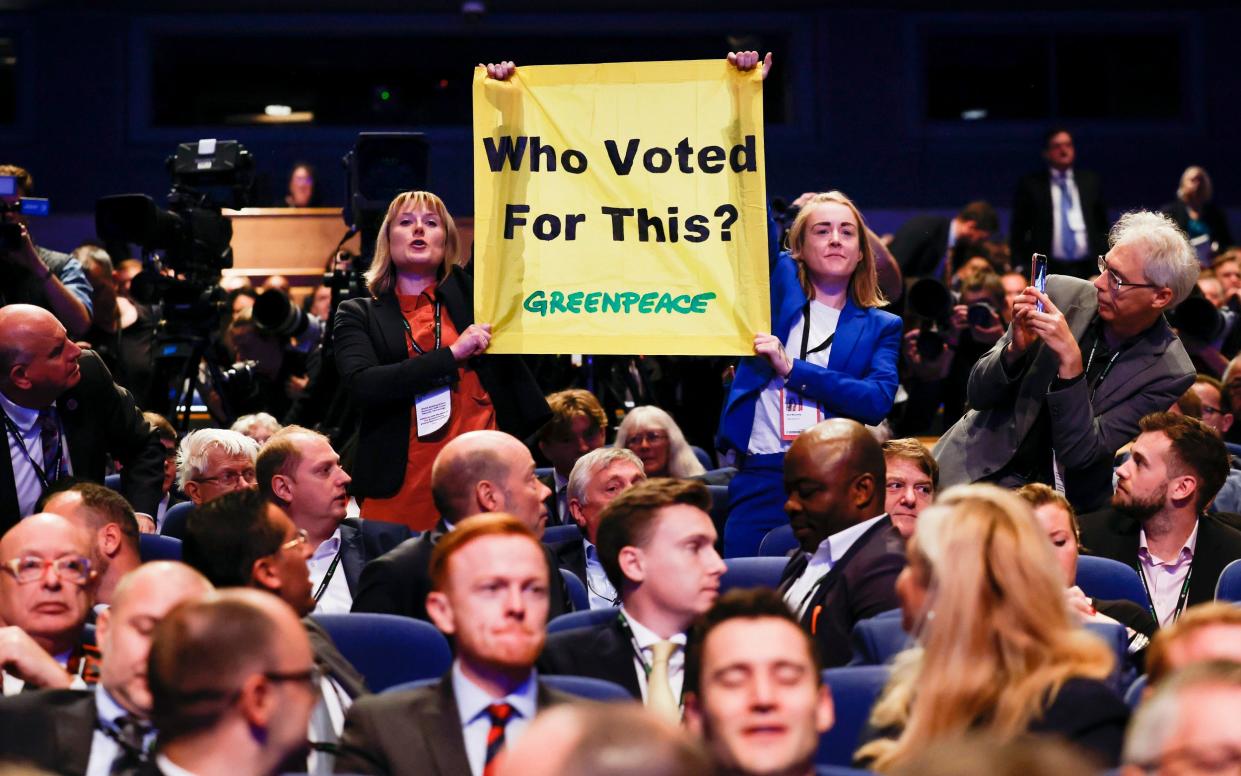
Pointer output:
x,y
310,676
299,540
28,568
1116,283
648,437
230,479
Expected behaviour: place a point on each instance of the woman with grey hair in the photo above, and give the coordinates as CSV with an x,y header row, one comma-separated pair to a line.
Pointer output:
x,y
1194,211
656,438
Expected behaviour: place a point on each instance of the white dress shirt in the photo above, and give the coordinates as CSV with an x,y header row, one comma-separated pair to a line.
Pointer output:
x,y
1165,578
1077,219
646,639
472,703
27,447
336,599
103,748
825,557
598,587
169,768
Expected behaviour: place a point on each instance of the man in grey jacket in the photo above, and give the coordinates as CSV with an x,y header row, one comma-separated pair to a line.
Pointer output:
x,y
1065,386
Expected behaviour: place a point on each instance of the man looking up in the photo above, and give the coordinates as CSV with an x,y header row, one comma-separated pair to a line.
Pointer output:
x,y
850,553
1065,386
215,461
657,544
489,594
74,731
106,515
577,426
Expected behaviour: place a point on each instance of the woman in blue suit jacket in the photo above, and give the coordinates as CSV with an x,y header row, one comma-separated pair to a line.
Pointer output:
x,y
844,366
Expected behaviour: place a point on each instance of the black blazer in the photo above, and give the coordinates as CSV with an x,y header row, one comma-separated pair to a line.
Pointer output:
x,y
1033,222
50,729
571,556
398,581
1110,533
1212,215
361,541
414,731
920,244
861,585
599,652
383,380
1089,714
101,420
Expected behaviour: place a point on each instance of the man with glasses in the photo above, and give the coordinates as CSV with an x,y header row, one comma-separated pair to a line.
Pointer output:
x,y
1065,386
215,461
47,586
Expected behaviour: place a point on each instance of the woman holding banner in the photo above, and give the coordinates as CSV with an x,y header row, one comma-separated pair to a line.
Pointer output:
x,y
831,353
413,358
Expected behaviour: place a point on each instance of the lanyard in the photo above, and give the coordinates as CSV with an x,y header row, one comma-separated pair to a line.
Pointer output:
x,y
1106,369
805,336
1180,599
327,577
12,428
410,332
637,651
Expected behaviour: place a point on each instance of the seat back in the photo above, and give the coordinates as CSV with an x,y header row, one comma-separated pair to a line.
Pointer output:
x,y
778,542
1133,695
555,534
577,591
854,691
719,508
175,518
583,619
388,649
581,686
1228,588
703,457
113,481
156,547
1109,580
878,639
1118,639
752,572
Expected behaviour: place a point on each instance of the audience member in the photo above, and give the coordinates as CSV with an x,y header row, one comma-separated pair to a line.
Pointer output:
x,y
490,595
38,276
999,653
107,731
106,515
655,437
1189,724
299,472
934,246
103,335
1059,212
233,684
596,480
1194,212
397,348
302,190
577,426
911,477
478,471
1014,283
63,413
850,551
753,689
1059,412
1209,631
259,426
45,597
168,438
1156,523
657,544
214,461
1216,409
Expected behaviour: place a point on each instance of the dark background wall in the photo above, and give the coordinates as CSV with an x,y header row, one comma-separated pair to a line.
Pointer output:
x,y
851,101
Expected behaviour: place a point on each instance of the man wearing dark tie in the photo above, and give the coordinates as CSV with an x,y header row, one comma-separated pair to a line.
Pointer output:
x,y
578,426
489,582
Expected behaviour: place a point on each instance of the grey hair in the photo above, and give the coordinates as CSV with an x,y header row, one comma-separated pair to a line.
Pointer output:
x,y
1208,189
681,459
1154,722
1170,262
247,422
192,454
591,464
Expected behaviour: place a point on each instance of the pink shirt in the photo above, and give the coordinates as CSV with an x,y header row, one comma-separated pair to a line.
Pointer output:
x,y
1165,578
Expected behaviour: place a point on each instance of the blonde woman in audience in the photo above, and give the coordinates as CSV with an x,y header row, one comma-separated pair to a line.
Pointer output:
x,y
656,438
999,651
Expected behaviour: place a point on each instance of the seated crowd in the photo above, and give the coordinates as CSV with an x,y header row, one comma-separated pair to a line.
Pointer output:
x,y
1049,584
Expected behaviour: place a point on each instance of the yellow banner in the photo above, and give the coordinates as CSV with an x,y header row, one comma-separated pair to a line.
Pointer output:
x,y
620,208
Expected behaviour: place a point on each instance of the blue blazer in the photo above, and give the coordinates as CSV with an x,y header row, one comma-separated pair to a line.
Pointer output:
x,y
859,383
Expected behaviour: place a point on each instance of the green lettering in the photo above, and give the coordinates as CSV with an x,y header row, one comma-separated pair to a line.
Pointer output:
x,y
699,304
648,302
611,301
628,299
536,303
665,304
575,302
682,304
557,305
592,301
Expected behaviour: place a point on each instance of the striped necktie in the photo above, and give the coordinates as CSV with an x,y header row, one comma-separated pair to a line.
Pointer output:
x,y
500,713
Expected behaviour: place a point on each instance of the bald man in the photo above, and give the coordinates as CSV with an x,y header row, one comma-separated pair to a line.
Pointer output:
x,y
850,552
479,471
75,731
107,516
47,587
63,415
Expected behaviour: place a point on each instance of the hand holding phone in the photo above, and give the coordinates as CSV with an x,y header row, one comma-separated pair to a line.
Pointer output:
x,y
1038,275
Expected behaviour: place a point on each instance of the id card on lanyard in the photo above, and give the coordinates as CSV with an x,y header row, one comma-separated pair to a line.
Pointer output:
x,y
797,413
432,408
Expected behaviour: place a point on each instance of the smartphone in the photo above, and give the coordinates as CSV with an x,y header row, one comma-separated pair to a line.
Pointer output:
x,y
1038,275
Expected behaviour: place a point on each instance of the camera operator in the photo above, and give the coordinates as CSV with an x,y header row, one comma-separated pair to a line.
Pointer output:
x,y
279,372
103,336
33,275
932,376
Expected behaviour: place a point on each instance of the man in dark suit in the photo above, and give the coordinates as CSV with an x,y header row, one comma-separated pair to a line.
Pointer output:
x,y
298,471
489,583
1065,386
66,731
657,544
597,478
1156,523
934,246
851,553
62,414
578,426
1059,212
479,471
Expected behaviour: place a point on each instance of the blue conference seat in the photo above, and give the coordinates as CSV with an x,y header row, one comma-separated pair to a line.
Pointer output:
x,y
156,547
113,481
581,686
1109,580
584,619
555,534
388,649
1133,696
752,572
175,518
719,508
1228,588
778,542
1118,639
876,640
854,691
703,457
577,590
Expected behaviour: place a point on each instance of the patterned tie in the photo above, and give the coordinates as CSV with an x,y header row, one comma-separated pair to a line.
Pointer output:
x,y
1068,238
500,714
130,734
49,435
659,697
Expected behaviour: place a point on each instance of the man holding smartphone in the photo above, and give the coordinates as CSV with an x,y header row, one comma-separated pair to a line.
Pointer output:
x,y
1066,385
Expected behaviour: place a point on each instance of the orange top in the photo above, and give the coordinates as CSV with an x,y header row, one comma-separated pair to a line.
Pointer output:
x,y
471,411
